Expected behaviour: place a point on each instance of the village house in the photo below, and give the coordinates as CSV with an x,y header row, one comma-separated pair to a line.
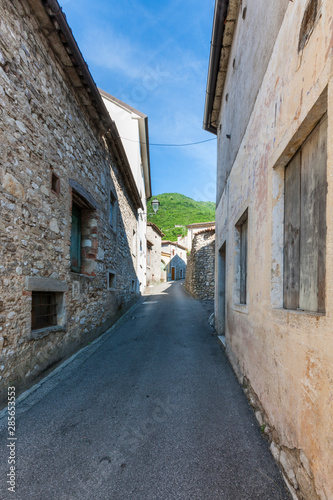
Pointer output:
x,y
270,102
200,269
132,126
70,201
192,230
174,258
154,251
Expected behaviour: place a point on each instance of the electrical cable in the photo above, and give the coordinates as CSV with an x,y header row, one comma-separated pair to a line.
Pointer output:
x,y
169,145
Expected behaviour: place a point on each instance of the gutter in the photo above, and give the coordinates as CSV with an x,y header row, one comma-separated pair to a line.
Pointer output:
x,y
149,190
83,71
220,16
80,62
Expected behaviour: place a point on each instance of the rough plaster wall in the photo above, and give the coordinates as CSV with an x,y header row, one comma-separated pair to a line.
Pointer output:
x,y
44,127
253,43
287,356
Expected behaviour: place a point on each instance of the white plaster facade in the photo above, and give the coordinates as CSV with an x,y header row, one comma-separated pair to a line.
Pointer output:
x,y
132,126
270,84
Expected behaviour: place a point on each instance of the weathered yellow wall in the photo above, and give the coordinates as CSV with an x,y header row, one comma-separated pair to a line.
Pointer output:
x,y
286,355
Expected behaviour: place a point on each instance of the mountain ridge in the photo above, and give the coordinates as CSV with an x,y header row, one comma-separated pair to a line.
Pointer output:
x,y
179,210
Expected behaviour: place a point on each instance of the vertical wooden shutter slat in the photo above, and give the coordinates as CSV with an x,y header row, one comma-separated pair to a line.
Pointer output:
x,y
243,262
292,233
313,221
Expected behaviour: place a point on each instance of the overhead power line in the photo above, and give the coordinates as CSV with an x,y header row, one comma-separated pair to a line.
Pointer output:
x,y
170,145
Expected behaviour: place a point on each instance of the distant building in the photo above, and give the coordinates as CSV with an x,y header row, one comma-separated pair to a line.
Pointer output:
x,y
154,249
174,258
192,229
200,271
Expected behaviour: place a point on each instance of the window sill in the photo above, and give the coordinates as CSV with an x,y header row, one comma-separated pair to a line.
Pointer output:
x,y
299,312
74,273
241,308
112,289
43,332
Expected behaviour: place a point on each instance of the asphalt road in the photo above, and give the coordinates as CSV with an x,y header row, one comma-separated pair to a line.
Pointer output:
x,y
153,411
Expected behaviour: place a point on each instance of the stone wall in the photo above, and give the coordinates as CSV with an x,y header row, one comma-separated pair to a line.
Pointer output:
x,y
154,266
200,280
46,130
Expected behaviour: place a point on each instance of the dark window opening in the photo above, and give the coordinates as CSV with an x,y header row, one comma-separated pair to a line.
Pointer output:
x,y
111,280
55,183
113,210
44,310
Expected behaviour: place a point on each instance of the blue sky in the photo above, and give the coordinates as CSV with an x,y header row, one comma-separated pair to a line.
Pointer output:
x,y
154,56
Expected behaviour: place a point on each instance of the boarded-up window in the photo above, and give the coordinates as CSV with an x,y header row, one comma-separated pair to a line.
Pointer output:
x,y
305,224
241,241
243,259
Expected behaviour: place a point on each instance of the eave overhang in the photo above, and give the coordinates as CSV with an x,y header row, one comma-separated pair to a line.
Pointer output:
x,y
225,16
54,26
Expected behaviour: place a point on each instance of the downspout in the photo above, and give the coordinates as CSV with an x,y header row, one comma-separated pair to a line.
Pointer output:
x,y
220,15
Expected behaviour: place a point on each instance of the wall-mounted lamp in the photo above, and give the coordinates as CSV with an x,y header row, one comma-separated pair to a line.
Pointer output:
x,y
155,204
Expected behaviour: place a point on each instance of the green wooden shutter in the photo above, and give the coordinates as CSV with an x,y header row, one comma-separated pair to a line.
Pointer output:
x,y
75,253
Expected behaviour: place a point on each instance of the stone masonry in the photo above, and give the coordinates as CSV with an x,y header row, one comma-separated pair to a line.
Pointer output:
x,y
154,243
200,281
48,137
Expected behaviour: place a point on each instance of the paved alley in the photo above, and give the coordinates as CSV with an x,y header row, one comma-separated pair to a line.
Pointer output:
x,y
152,411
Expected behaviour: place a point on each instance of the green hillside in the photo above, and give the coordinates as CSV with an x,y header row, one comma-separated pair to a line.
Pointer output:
x,y
177,209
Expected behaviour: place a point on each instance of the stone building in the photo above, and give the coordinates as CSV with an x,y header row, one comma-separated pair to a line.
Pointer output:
x,y
192,230
69,200
200,270
154,249
174,259
132,126
270,101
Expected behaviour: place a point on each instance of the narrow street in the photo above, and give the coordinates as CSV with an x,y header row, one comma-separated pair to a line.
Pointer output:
x,y
151,411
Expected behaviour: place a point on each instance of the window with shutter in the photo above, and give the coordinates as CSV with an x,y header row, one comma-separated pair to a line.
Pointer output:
x,y
305,224
75,251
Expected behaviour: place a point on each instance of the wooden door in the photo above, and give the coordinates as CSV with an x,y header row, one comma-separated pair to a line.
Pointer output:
x,y
173,273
